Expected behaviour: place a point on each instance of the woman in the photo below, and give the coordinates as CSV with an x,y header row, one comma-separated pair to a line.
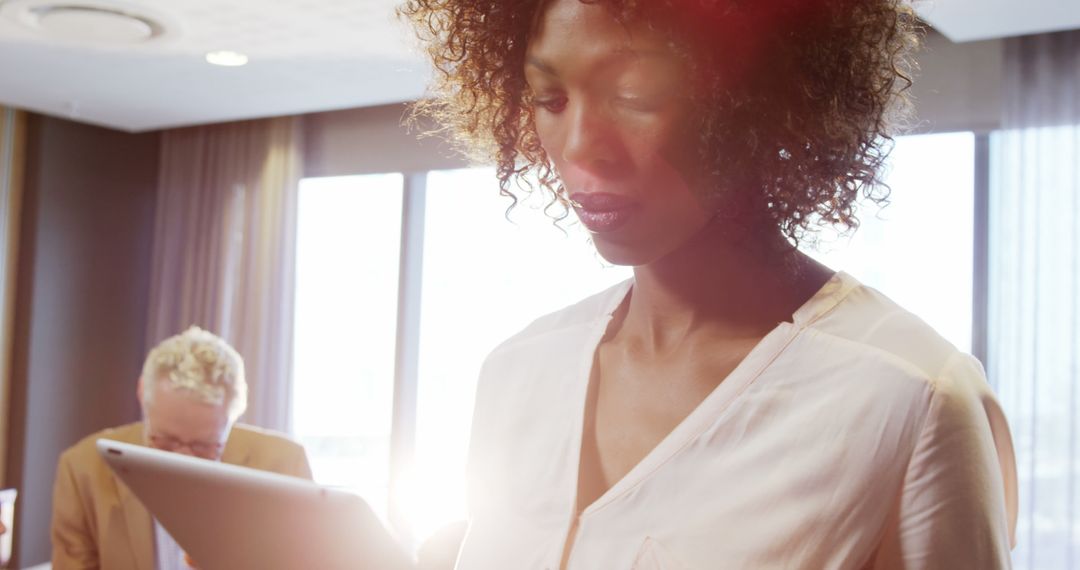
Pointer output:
x,y
736,404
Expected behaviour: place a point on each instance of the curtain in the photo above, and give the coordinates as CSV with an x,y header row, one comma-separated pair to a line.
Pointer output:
x,y
1034,289
224,249
12,157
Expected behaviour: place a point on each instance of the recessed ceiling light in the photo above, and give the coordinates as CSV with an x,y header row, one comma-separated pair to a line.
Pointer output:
x,y
226,58
89,22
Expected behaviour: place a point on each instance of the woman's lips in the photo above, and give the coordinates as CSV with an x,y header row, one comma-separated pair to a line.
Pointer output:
x,y
601,211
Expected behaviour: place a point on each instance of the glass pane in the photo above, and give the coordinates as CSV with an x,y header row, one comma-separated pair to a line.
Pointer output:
x,y
348,242
485,278
918,250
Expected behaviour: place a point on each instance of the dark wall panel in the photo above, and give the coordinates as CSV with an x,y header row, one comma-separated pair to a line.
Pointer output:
x,y
81,296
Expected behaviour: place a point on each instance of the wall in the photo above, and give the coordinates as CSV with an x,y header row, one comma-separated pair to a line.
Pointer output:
x,y
370,140
958,87
81,296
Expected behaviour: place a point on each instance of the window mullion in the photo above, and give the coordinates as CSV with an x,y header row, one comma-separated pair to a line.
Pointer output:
x,y
980,279
406,362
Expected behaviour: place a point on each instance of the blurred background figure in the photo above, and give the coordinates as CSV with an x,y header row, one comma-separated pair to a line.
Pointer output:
x,y
192,390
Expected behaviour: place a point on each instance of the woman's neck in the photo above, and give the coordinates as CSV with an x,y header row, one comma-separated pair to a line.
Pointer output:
x,y
722,289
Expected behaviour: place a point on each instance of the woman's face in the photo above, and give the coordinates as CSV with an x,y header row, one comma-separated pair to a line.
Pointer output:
x,y
612,113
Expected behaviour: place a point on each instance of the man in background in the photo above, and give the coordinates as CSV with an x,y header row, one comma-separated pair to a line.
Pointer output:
x,y
192,390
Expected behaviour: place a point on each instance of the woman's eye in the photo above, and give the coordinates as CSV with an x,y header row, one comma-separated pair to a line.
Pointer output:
x,y
637,103
550,104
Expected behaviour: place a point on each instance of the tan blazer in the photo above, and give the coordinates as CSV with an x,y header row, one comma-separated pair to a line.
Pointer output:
x,y
98,523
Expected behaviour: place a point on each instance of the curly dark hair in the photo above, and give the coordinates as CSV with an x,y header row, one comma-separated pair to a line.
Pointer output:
x,y
796,101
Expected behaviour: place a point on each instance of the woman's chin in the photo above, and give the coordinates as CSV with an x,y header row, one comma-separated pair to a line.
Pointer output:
x,y
625,254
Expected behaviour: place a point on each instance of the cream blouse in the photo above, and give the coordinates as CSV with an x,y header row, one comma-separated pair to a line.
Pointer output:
x,y
853,437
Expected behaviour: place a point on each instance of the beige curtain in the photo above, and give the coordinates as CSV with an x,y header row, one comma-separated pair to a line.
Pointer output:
x,y
1034,289
224,249
12,158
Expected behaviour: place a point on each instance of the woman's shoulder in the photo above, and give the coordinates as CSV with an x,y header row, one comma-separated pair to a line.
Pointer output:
x,y
868,320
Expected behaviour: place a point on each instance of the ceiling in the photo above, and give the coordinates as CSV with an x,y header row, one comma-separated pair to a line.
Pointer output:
x,y
970,20
305,56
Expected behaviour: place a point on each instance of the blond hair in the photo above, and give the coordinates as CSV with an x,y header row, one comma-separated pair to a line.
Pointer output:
x,y
200,364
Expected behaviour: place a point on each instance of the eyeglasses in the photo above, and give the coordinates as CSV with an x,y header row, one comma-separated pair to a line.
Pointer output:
x,y
203,449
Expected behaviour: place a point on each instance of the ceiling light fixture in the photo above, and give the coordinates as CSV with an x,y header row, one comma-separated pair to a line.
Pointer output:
x,y
89,22
226,58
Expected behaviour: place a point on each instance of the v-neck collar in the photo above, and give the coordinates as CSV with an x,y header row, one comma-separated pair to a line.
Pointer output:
x,y
822,301
705,414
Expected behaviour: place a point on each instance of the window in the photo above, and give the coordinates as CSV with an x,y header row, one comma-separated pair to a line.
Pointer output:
x,y
484,278
918,250
348,232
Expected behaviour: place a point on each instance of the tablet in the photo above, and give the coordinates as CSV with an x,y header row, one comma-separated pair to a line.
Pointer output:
x,y
227,517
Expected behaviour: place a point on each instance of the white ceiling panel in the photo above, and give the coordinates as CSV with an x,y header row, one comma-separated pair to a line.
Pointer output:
x,y
304,56
970,20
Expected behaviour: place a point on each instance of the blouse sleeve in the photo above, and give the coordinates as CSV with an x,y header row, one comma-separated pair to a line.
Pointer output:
x,y
958,503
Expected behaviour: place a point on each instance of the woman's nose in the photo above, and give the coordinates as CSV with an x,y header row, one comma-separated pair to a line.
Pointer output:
x,y
590,142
